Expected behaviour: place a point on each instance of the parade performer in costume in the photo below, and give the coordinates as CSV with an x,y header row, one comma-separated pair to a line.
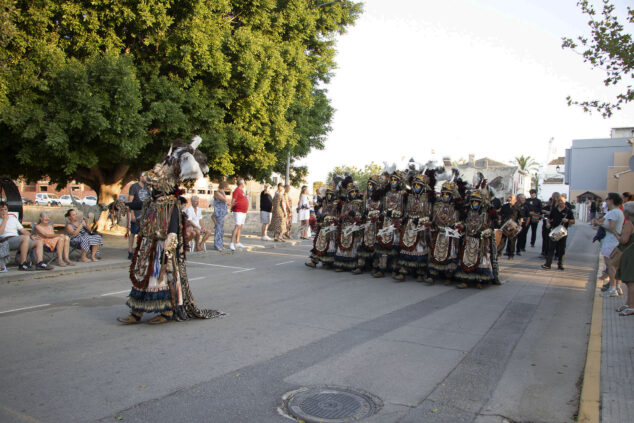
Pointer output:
x,y
477,257
387,239
325,241
158,270
414,237
509,226
372,206
445,239
350,233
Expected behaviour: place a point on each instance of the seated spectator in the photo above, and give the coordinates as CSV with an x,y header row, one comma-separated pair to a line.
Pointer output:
x,y
196,224
13,233
5,255
54,242
81,236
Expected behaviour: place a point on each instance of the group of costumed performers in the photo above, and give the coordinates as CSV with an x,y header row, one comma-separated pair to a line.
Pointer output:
x,y
400,225
158,273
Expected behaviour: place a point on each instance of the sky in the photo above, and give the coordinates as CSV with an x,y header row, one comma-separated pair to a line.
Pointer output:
x,y
460,77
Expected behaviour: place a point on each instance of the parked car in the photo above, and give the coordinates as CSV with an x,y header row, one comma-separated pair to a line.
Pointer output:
x,y
46,199
65,200
90,200
27,202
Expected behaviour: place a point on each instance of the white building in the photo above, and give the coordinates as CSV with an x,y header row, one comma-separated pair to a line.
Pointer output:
x,y
551,179
505,179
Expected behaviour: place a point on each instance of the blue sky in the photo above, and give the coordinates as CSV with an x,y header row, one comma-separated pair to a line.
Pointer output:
x,y
485,77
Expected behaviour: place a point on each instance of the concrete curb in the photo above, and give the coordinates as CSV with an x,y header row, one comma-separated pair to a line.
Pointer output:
x,y
43,274
590,401
121,264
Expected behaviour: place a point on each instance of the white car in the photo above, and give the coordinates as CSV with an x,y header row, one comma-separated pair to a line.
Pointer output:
x,y
46,199
65,200
90,200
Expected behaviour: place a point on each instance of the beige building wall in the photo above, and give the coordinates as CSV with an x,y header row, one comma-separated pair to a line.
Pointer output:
x,y
625,180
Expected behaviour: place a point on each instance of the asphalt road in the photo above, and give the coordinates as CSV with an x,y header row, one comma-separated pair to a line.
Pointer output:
x,y
434,354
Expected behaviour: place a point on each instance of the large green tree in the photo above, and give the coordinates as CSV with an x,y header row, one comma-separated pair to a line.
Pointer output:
x,y
610,48
359,175
96,90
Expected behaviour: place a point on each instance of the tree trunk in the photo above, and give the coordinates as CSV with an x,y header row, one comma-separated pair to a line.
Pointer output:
x,y
108,184
107,194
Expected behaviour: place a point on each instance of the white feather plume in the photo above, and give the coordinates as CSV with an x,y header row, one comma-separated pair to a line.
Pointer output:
x,y
196,142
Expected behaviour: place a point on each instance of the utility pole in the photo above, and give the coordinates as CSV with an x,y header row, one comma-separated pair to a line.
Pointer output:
x,y
288,169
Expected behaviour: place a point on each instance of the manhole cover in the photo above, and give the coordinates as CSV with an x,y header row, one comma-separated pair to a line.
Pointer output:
x,y
331,404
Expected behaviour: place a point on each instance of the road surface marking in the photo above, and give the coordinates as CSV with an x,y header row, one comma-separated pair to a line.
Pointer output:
x,y
279,254
24,308
285,262
243,270
114,293
198,278
219,265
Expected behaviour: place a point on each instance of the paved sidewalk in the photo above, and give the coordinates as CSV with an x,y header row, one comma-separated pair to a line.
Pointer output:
x,y
114,255
617,363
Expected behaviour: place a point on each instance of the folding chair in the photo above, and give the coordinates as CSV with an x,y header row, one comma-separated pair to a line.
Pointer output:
x,y
74,248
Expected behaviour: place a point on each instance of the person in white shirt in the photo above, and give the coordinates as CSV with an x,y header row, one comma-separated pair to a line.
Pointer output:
x,y
12,231
612,222
196,223
303,211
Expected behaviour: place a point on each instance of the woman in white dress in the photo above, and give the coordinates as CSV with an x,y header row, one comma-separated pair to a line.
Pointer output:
x,y
303,210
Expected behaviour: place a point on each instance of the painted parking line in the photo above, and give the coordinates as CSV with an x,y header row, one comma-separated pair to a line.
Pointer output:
x,y
197,279
219,265
285,262
243,270
24,308
114,293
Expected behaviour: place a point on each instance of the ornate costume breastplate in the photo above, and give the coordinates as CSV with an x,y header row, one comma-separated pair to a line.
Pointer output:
x,y
417,206
475,223
394,201
355,206
444,215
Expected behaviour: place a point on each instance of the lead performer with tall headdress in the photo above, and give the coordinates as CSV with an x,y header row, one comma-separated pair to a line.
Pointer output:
x,y
387,238
477,257
414,237
350,233
372,213
158,271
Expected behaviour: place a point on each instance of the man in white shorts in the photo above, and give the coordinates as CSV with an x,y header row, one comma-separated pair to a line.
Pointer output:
x,y
239,207
13,233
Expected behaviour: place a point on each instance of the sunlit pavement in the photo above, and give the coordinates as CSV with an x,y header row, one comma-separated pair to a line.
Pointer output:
x,y
429,353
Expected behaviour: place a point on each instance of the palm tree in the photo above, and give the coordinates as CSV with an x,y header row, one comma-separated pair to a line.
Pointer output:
x,y
526,164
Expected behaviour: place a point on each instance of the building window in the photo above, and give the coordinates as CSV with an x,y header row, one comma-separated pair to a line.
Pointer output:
x,y
43,188
74,188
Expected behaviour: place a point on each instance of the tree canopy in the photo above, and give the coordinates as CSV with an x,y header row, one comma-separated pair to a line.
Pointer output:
x,y
609,48
95,91
359,175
